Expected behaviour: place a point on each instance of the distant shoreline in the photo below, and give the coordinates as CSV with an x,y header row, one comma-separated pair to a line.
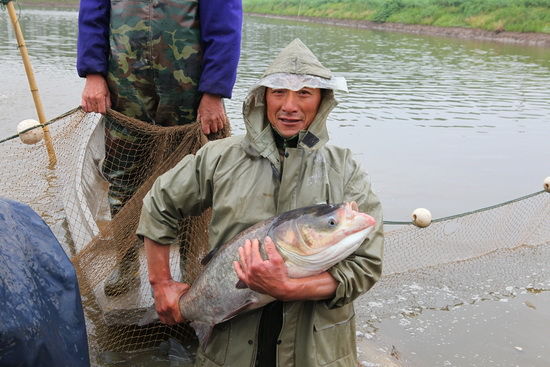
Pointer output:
x,y
520,38
527,38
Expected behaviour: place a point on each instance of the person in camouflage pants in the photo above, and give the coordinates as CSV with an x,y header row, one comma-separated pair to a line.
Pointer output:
x,y
165,62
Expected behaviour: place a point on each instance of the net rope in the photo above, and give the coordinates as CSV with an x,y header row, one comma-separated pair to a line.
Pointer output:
x,y
465,249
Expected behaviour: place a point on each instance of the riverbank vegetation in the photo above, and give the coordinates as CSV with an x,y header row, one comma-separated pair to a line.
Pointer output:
x,y
491,15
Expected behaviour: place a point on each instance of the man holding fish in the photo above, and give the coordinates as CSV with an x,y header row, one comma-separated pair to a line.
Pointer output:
x,y
278,290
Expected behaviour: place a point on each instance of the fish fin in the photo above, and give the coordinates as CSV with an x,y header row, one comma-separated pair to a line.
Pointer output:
x,y
241,285
206,259
243,308
203,331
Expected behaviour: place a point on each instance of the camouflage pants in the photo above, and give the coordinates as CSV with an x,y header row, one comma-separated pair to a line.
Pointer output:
x,y
126,152
154,70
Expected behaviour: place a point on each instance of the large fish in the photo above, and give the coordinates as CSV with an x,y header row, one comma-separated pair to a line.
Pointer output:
x,y
311,240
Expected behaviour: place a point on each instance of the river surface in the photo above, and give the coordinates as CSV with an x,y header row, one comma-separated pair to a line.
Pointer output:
x,y
445,124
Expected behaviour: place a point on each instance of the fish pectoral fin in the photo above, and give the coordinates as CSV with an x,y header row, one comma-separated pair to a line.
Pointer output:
x,y
243,308
206,259
203,331
241,285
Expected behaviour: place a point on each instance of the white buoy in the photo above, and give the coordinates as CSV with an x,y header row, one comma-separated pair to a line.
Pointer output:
x,y
547,184
32,136
421,217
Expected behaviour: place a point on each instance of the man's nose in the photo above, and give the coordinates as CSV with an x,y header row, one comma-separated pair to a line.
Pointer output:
x,y
290,103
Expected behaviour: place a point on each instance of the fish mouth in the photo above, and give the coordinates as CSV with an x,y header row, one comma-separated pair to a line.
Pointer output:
x,y
300,265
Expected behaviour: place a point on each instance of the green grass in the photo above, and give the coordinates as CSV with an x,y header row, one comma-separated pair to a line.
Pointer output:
x,y
492,15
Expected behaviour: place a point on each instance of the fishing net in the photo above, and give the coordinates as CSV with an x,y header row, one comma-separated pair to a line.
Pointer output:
x,y
73,199
488,254
449,262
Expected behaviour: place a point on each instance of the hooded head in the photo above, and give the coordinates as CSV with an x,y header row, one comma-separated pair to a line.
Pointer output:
x,y
294,70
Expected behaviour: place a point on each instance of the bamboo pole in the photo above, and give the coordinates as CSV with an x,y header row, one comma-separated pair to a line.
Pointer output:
x,y
32,82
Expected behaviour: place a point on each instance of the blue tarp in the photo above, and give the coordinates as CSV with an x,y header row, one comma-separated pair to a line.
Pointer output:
x,y
41,317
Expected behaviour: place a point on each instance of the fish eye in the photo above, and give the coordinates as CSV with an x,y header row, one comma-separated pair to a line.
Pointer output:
x,y
332,222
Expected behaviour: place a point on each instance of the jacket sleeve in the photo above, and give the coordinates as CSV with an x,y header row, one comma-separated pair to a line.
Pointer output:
x,y
221,23
358,273
182,191
93,37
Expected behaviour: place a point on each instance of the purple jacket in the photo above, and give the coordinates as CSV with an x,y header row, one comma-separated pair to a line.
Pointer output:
x,y
220,21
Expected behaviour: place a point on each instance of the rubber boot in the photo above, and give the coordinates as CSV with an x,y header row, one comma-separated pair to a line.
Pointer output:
x,y
124,276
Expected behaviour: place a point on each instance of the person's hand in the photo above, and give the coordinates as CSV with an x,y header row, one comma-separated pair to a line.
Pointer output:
x,y
264,276
211,113
167,295
95,96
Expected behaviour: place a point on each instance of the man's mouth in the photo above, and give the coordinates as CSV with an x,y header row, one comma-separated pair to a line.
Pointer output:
x,y
289,121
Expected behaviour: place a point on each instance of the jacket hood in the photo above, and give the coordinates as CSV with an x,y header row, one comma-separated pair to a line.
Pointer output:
x,y
296,58
294,68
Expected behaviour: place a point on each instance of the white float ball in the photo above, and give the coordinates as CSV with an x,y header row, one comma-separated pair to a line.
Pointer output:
x,y
547,184
421,217
32,136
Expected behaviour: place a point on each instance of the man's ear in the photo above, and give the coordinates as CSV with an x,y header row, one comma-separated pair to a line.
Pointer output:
x,y
326,93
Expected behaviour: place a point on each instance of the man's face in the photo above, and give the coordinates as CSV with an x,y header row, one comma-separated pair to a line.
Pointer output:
x,y
291,111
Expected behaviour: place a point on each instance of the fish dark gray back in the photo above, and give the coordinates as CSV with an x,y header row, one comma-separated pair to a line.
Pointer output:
x,y
317,210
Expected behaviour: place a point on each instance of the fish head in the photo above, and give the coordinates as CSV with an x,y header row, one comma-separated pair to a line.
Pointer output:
x,y
324,234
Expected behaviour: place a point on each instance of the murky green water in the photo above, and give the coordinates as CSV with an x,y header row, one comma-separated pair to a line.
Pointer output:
x,y
446,124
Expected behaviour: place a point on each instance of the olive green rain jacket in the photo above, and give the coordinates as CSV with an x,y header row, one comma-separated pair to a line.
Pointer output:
x,y
243,180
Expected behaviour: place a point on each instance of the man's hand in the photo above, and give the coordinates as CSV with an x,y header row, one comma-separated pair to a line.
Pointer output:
x,y
264,276
271,276
167,295
95,96
166,291
211,113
